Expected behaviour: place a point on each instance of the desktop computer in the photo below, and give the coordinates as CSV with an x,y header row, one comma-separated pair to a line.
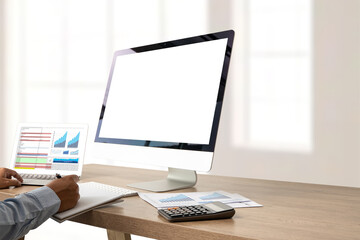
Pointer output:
x,y
162,106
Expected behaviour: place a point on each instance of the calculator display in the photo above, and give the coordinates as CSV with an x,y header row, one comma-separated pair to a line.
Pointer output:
x,y
214,207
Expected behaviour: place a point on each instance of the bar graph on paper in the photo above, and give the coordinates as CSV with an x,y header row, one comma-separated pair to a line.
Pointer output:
x,y
164,200
214,196
176,198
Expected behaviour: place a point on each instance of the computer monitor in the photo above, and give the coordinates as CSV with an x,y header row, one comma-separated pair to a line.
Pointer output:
x,y
162,106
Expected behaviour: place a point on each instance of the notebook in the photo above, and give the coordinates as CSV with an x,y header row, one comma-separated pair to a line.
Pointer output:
x,y
43,150
94,195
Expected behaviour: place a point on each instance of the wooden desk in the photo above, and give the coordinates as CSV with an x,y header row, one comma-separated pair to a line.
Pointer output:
x,y
291,210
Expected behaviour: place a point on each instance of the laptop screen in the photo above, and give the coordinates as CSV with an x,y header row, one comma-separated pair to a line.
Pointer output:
x,y
49,149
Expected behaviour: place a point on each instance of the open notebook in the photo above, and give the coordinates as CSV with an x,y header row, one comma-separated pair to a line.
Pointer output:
x,y
94,195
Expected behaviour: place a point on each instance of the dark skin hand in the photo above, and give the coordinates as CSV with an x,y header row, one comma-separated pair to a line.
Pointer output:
x,y
9,178
67,189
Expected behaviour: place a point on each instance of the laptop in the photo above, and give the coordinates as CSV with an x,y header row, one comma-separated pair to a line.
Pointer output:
x,y
44,151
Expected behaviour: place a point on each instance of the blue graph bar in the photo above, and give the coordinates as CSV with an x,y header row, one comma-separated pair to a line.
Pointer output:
x,y
214,196
74,152
66,160
74,143
60,143
177,198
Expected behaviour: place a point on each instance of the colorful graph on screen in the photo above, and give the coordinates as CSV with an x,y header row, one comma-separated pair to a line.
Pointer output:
x,y
48,149
32,150
60,143
74,143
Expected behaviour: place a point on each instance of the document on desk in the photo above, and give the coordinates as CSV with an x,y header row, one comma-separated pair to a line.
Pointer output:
x,y
94,195
165,200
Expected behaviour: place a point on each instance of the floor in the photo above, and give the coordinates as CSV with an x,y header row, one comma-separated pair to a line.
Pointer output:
x,y
69,230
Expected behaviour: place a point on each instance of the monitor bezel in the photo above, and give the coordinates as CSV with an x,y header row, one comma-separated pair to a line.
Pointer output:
x,y
229,35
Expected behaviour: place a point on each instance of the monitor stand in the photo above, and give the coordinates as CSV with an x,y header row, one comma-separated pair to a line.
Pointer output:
x,y
176,179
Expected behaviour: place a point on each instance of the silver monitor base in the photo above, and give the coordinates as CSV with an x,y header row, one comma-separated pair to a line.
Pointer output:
x,y
176,179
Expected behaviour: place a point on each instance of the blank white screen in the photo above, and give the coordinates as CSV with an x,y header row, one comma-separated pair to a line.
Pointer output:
x,y
166,95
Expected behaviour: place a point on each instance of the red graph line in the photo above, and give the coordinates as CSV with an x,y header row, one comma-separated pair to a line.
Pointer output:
x,y
34,133
36,136
33,166
22,153
30,140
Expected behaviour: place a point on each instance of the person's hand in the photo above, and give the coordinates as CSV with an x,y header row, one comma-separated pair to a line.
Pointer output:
x,y
67,190
6,178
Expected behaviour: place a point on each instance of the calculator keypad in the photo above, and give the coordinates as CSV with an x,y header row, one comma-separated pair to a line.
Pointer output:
x,y
189,211
197,212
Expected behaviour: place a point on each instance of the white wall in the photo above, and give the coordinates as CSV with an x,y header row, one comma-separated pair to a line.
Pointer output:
x,y
1,76
335,158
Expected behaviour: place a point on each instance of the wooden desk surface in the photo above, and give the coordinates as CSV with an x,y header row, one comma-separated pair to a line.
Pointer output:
x,y
291,210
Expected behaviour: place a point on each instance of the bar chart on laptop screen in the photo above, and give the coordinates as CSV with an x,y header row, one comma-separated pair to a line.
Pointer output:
x,y
48,149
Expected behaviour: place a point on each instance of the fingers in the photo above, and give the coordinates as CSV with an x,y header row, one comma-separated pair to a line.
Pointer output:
x,y
6,176
74,177
14,182
67,190
15,175
4,183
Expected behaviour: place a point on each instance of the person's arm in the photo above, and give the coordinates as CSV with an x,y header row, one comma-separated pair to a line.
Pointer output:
x,y
27,211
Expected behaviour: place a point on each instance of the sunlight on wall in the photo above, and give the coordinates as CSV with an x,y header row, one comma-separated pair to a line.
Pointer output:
x,y
274,110
64,51
65,57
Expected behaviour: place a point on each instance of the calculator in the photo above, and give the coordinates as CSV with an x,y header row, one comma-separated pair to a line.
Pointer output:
x,y
213,210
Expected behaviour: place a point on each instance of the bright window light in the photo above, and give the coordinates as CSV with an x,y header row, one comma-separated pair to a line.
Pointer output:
x,y
273,98
279,79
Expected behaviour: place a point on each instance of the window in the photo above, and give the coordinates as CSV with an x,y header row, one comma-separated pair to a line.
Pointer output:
x,y
60,52
277,87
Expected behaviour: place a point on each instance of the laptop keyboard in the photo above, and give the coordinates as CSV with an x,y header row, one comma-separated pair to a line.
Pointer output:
x,y
37,179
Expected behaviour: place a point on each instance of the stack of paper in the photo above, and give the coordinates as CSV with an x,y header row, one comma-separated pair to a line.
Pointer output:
x,y
94,195
165,200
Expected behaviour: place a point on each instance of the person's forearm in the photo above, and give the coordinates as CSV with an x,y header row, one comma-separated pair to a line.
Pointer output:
x,y
27,211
